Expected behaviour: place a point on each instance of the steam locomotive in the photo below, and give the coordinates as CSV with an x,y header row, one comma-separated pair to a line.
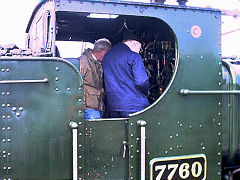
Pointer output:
x,y
190,131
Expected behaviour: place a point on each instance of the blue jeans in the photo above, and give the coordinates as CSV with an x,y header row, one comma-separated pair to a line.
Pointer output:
x,y
92,114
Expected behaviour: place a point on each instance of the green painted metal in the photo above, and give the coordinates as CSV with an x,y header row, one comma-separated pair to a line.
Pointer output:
x,y
230,109
104,149
35,136
174,121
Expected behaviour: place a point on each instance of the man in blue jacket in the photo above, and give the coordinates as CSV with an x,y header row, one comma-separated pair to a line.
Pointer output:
x,y
126,82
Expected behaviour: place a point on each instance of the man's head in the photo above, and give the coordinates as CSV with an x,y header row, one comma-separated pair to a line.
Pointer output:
x,y
101,46
133,42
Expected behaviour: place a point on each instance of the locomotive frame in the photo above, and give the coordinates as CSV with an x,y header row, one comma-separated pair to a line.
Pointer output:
x,y
183,134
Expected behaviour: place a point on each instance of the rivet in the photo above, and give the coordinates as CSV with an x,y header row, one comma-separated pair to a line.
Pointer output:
x,y
201,57
180,125
166,152
190,127
219,124
79,145
3,128
79,123
80,134
219,103
201,144
8,117
131,135
57,89
219,153
177,146
8,70
180,146
21,109
219,173
4,140
219,163
57,68
137,151
214,120
79,167
131,157
56,78
219,144
68,89
8,128
3,117
219,114
9,154
3,93
17,114
131,146
80,100
79,111
200,126
8,93
14,108
4,152
80,157
219,83
137,139
3,70
203,148
79,88
8,140
170,149
131,124
159,123
131,167
170,137
219,134
8,105
4,156
220,73
3,105
131,177
9,168
4,167
220,63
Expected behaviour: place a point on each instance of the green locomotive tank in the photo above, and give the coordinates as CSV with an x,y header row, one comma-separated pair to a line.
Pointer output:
x,y
190,131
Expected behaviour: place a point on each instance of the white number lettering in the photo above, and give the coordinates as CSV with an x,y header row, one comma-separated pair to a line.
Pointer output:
x,y
196,169
183,170
174,167
162,169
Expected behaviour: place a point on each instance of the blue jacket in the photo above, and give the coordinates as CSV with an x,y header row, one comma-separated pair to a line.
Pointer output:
x,y
126,82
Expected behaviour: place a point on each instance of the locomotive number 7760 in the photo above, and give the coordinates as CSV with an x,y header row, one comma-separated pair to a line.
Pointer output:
x,y
179,167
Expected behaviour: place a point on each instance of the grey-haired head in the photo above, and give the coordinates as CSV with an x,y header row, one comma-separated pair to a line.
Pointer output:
x,y
102,44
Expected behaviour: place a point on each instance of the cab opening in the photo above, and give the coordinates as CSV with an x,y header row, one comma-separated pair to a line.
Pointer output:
x,y
78,31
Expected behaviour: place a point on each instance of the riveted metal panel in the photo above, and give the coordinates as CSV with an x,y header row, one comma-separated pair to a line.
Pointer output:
x,y
106,149
179,125
35,136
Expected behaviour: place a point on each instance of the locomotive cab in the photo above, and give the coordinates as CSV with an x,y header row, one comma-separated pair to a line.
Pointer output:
x,y
177,137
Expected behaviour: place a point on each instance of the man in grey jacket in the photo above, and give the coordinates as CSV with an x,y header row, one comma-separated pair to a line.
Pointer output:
x,y
92,74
